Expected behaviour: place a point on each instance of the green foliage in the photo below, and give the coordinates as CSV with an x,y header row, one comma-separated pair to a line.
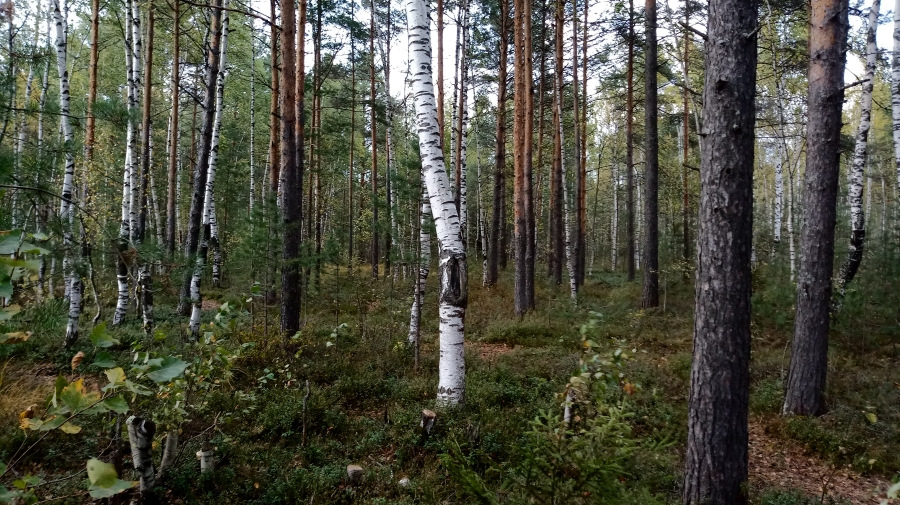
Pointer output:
x,y
104,482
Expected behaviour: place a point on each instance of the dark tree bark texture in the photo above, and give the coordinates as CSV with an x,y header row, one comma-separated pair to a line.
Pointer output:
x,y
809,349
716,461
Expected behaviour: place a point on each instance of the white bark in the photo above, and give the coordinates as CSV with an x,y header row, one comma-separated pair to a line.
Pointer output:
x,y
614,224
128,211
66,206
860,154
140,437
154,203
20,147
778,212
252,119
568,222
209,200
463,133
790,226
415,315
209,228
453,294
137,68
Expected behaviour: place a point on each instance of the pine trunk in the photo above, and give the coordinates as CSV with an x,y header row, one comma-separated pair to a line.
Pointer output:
x,y
291,163
650,296
497,222
522,151
716,462
805,394
629,147
172,183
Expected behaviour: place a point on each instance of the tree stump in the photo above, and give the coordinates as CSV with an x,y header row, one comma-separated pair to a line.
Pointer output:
x,y
354,474
427,422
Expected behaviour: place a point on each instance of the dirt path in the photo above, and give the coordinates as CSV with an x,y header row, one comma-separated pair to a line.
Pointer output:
x,y
779,463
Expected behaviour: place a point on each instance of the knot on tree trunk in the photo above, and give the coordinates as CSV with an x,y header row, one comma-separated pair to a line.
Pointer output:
x,y
454,278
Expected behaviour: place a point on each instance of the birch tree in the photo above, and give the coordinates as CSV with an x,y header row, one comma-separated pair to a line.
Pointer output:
x,y
895,93
198,190
860,154
415,317
173,137
67,204
452,263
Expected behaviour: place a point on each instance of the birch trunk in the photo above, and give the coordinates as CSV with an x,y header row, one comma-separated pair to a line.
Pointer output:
x,y
198,191
415,317
895,95
252,119
20,146
860,154
214,155
127,216
462,123
67,206
614,224
453,294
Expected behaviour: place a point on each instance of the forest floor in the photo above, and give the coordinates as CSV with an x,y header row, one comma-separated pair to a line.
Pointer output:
x,y
277,443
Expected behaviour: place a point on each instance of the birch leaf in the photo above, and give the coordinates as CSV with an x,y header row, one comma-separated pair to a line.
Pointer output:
x,y
101,474
170,368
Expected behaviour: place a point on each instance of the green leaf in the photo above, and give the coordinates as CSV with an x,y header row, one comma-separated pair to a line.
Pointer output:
x,y
60,384
117,487
70,428
116,404
10,244
73,394
104,359
115,376
101,474
7,313
871,417
170,368
100,337
6,289
49,424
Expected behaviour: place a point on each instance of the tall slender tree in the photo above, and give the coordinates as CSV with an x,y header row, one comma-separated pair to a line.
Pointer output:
x,y
291,158
374,122
67,203
629,147
895,94
522,150
198,190
829,26
650,296
171,202
145,279
453,294
498,223
860,157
